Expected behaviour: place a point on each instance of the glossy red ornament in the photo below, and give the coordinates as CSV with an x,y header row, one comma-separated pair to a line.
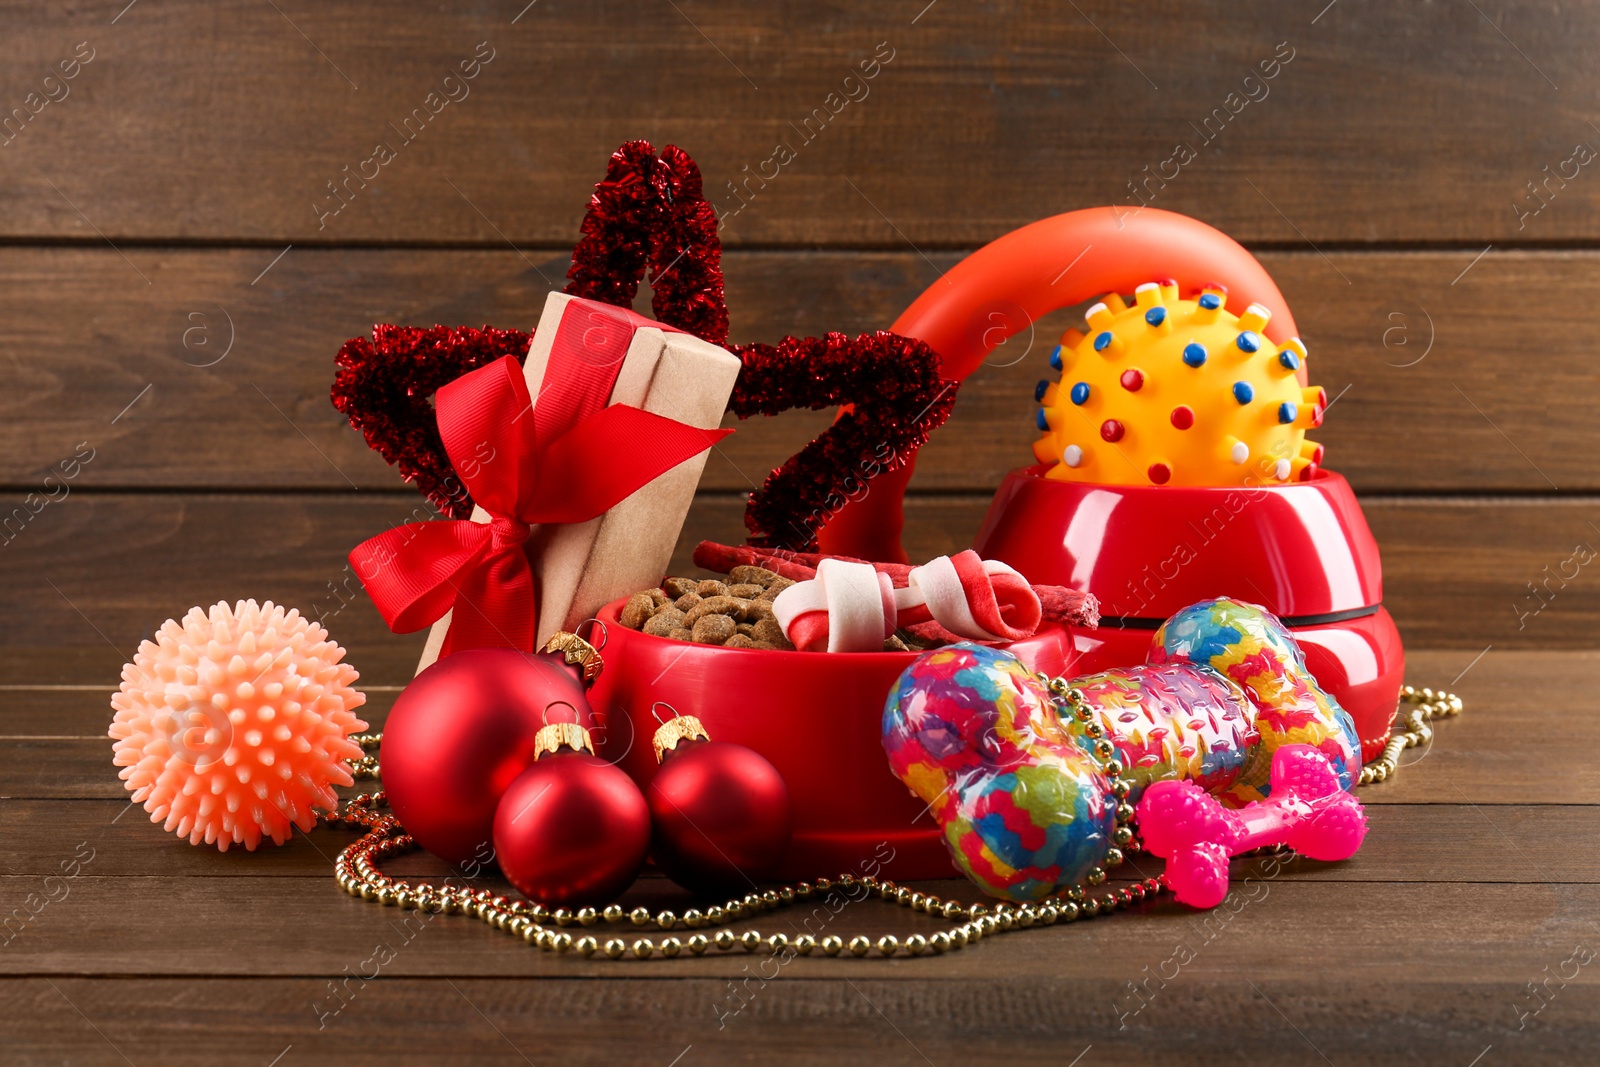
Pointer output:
x,y
720,811
459,735
572,829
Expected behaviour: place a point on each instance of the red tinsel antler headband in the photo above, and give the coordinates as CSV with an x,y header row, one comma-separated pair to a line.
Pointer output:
x,y
651,212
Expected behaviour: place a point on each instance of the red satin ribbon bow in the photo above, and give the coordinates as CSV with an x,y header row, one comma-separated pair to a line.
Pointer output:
x,y
523,468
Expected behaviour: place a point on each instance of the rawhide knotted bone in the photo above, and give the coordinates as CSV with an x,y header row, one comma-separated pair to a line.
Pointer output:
x,y
1196,835
1057,603
853,607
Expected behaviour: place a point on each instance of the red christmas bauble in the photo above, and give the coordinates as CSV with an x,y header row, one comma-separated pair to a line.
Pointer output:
x,y
459,735
571,830
721,816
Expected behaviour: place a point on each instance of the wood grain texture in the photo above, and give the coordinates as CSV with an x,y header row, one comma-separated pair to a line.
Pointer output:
x,y
229,120
205,379
91,576
236,927
1462,901
1440,839
1524,730
1354,1018
179,271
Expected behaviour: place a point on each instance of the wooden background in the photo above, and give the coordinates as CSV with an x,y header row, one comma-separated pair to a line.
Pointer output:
x,y
1416,177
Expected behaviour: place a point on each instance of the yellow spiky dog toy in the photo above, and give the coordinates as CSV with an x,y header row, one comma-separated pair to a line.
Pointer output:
x,y
1177,392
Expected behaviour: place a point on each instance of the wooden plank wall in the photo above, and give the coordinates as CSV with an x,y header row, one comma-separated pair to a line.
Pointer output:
x,y
178,273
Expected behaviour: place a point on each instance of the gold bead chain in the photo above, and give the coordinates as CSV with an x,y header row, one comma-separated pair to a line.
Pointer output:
x,y
1429,705
356,871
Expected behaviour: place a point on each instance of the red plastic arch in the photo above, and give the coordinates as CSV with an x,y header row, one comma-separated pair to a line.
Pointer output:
x,y
1017,279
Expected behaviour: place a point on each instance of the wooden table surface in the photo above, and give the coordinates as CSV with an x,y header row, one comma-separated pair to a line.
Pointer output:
x,y
183,248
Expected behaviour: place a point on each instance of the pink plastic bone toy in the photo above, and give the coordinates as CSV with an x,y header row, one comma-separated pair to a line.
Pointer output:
x,y
1196,835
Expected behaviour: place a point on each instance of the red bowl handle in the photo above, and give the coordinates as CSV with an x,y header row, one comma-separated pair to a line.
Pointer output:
x,y
1017,279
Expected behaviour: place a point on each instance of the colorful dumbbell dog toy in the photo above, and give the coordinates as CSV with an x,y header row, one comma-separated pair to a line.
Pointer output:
x,y
1032,779
1307,811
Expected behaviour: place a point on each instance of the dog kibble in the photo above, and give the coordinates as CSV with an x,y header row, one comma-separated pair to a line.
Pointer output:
x,y
716,605
747,575
664,622
638,610
676,587
771,592
767,631
712,630
736,613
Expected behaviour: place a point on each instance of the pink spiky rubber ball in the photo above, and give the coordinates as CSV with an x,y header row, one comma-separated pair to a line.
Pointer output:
x,y
234,725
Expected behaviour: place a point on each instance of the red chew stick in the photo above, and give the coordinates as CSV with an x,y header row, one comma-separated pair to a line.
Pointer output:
x,y
723,558
1058,603
1071,606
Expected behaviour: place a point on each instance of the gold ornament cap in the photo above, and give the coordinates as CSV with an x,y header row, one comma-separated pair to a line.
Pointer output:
x,y
676,729
576,652
550,739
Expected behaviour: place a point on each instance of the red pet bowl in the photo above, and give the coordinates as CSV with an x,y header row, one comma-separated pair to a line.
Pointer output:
x,y
1301,550
817,717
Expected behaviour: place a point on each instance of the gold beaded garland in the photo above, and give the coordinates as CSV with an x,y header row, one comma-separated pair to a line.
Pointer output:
x,y
356,872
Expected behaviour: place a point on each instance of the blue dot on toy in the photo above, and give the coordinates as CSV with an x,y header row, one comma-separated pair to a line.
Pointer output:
x,y
1243,392
1156,316
1248,341
1039,417
1210,301
1194,354
1055,357
1102,340
1287,412
1288,358
1039,389
1080,393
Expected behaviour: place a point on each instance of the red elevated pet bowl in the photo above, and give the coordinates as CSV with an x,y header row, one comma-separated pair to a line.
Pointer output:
x,y
1301,550
816,716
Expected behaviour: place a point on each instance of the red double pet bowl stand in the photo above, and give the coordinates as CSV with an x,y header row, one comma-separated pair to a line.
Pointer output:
x,y
1301,550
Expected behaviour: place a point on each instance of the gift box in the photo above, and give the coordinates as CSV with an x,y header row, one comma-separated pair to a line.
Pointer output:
x,y
583,465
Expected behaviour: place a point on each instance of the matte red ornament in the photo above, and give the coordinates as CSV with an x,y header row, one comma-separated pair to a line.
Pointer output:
x,y
572,829
721,812
459,735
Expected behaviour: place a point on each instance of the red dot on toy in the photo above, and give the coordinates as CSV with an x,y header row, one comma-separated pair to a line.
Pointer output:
x,y
1316,457
1159,473
1111,430
1132,379
1182,417
1308,472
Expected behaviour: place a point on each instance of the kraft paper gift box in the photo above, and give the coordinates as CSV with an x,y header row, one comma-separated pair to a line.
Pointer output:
x,y
580,567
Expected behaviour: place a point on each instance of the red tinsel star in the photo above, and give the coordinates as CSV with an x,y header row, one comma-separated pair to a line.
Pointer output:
x,y
650,212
